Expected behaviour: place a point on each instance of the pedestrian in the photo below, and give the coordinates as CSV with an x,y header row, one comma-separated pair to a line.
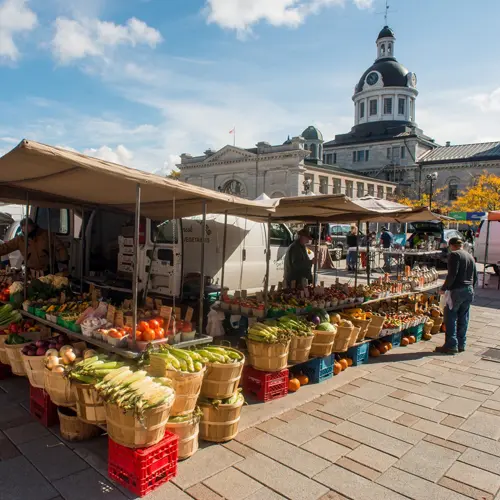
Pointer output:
x,y
386,240
352,242
297,262
459,291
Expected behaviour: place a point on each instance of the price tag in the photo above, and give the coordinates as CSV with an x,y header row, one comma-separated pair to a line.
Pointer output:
x,y
189,314
149,303
273,288
166,314
129,321
119,318
178,313
127,304
322,284
244,294
280,285
306,293
158,304
94,298
237,294
110,315
259,296
294,284
63,297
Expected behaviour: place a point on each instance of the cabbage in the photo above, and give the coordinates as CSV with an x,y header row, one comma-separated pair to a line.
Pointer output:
x,y
326,327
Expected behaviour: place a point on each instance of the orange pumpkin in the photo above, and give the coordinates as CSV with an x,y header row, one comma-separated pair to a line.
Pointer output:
x,y
349,361
374,352
337,368
343,363
390,346
303,379
404,341
293,385
412,339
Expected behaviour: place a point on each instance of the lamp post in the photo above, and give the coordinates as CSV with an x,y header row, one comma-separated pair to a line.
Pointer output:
x,y
307,186
432,178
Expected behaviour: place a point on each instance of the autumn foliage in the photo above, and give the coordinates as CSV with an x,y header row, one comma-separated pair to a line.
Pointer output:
x,y
484,196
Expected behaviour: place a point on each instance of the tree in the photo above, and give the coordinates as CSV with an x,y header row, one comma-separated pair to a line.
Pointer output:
x,y
174,174
423,201
483,196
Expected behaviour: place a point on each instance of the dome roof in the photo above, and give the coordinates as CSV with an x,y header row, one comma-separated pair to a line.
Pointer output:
x,y
312,134
393,73
386,32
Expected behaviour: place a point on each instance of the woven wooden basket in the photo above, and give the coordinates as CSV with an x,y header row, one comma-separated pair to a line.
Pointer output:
x,y
373,332
377,321
34,367
362,324
428,326
59,388
322,344
220,423
74,429
187,387
300,347
188,436
221,380
268,357
89,405
15,360
124,428
4,359
354,336
343,338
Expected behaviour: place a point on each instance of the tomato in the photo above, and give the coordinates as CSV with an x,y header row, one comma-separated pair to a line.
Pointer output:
x,y
143,326
148,335
153,324
161,322
160,333
138,335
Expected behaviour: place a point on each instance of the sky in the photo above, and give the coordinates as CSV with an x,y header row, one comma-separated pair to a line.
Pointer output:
x,y
139,82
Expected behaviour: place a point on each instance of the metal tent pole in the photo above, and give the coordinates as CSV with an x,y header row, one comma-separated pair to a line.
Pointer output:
x,y
356,269
82,249
316,249
268,258
224,241
202,272
486,252
368,267
26,246
136,258
51,254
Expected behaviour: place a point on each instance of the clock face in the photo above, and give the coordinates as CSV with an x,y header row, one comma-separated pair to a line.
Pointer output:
x,y
234,188
372,78
412,79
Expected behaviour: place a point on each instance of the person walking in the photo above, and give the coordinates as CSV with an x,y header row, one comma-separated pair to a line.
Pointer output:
x,y
352,242
459,291
386,240
297,262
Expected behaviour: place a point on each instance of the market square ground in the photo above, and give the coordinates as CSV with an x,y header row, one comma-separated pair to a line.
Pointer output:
x,y
411,424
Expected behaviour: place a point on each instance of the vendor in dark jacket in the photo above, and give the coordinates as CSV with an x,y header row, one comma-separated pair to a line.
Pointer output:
x,y
460,283
297,261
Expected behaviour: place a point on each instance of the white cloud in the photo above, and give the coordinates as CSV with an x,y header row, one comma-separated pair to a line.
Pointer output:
x,y
487,102
15,18
240,15
120,154
78,39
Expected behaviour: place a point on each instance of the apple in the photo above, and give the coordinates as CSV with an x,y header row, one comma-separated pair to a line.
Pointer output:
x,y
40,351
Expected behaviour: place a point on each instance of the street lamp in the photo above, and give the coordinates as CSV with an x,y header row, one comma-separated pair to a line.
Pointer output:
x,y
307,186
431,178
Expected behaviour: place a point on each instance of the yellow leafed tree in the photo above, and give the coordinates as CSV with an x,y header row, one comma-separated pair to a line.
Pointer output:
x,y
484,196
423,201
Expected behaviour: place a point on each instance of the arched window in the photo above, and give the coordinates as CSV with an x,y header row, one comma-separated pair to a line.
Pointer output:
x,y
314,151
452,189
389,49
382,49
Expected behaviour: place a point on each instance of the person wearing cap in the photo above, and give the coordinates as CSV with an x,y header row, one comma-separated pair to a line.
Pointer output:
x,y
459,288
38,258
386,240
297,262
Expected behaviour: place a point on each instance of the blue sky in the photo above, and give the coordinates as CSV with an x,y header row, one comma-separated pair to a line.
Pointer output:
x,y
142,81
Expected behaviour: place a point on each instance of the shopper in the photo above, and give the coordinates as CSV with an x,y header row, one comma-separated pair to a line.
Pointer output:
x,y
352,242
297,262
386,240
459,291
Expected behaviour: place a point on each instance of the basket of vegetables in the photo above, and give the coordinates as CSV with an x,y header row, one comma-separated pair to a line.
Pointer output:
x,y
137,406
9,318
345,332
221,417
224,367
324,338
185,369
302,339
14,345
187,427
268,346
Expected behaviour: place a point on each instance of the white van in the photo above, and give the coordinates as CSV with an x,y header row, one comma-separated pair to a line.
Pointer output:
x,y
109,249
493,257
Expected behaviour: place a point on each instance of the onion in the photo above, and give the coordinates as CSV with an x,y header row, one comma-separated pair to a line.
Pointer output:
x,y
58,369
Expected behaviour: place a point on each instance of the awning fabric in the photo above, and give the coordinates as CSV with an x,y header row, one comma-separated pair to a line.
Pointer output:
x,y
55,176
494,216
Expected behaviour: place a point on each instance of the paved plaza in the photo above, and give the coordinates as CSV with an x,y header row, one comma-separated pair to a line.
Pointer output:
x,y
410,424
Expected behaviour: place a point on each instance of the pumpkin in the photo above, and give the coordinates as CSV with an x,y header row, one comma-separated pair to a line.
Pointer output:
x,y
337,368
303,379
343,363
374,352
404,341
382,349
293,385
335,319
427,336
349,361
412,339
390,345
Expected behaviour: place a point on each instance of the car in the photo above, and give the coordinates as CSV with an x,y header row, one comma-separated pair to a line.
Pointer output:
x,y
335,236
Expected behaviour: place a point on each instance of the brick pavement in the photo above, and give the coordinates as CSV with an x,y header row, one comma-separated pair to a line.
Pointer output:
x,y
410,424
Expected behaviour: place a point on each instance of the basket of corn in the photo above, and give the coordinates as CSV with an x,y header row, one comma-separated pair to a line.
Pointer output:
x,y
185,369
301,340
187,427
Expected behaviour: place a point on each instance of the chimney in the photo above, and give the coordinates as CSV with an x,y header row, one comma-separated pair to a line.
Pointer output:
x,y
448,144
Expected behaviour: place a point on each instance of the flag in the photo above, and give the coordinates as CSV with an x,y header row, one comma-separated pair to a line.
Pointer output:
x,y
233,130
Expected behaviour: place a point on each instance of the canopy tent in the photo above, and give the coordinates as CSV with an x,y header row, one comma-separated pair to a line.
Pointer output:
x,y
57,177
262,197
493,216
5,219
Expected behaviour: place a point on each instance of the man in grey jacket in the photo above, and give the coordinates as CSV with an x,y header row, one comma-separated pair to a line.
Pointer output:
x,y
297,261
459,283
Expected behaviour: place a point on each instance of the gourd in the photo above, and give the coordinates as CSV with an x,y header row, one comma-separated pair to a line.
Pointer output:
x,y
343,363
337,368
293,385
303,379
404,341
374,352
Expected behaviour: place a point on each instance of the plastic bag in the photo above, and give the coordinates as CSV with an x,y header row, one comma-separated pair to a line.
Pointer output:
x,y
215,327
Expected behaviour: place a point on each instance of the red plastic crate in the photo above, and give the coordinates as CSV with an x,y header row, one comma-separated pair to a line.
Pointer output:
x,y
5,371
39,396
144,469
266,386
46,414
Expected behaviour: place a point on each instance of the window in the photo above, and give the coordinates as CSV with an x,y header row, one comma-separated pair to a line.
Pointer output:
x,y
310,179
354,156
361,156
367,155
371,190
380,191
388,153
452,191
382,49
323,185
387,105
373,107
401,105
59,220
329,159
314,151
389,49
280,235
361,110
360,189
412,109
389,192
337,186
349,188
334,158
403,151
166,233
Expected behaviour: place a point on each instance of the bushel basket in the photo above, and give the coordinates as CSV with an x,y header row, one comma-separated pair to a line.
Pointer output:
x,y
362,324
59,388
322,344
188,436
436,328
268,357
15,360
125,428
343,338
4,359
300,347
221,380
74,429
220,423
89,405
34,367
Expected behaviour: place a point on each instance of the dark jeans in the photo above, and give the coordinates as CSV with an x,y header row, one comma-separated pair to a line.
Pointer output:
x,y
457,319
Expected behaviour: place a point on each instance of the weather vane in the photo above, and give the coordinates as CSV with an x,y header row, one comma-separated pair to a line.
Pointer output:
x,y
386,12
